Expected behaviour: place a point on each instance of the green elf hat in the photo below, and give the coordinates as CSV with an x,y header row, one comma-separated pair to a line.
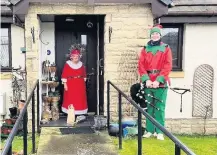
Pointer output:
x,y
157,28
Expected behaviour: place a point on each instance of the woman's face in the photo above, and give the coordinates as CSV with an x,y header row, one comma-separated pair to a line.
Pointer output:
x,y
75,58
155,36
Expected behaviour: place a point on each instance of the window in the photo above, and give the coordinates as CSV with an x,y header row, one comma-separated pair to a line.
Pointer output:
x,y
173,36
5,53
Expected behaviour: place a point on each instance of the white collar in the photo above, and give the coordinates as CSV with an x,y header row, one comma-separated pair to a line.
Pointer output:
x,y
74,66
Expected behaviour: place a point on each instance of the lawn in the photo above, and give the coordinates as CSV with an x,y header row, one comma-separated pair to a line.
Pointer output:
x,y
206,145
18,143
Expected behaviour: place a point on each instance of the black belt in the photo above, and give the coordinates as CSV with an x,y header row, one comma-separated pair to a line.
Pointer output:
x,y
74,77
154,71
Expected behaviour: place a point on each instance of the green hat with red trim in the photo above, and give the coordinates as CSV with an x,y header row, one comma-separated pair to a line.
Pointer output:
x,y
157,28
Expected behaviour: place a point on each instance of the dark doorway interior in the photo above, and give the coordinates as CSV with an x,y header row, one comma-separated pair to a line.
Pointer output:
x,y
76,30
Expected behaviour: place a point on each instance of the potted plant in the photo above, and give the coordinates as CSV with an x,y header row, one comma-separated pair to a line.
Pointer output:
x,y
18,89
8,121
5,130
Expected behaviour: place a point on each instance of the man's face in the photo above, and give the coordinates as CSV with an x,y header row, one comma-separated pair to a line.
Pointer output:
x,y
155,36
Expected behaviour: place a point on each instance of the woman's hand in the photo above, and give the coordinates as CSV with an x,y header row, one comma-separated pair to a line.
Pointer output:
x,y
155,84
65,87
149,84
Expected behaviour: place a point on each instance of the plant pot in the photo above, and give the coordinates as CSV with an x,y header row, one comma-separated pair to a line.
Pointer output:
x,y
8,122
55,99
5,131
113,130
55,84
21,104
49,99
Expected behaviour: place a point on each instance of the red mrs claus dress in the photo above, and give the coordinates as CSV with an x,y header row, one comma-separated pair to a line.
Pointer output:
x,y
73,75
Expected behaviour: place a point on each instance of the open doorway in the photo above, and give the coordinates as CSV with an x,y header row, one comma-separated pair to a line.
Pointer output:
x,y
89,31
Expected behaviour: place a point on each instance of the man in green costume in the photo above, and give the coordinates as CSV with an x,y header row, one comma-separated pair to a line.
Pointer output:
x,y
155,64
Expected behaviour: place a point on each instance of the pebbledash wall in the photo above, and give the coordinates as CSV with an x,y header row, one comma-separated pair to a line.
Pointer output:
x,y
130,33
18,59
196,51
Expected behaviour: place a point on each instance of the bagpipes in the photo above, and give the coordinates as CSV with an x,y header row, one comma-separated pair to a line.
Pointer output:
x,y
139,96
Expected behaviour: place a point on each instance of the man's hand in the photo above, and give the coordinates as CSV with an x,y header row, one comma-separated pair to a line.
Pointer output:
x,y
65,87
149,84
155,84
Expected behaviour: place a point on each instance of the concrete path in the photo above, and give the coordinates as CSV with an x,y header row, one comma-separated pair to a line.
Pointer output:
x,y
53,142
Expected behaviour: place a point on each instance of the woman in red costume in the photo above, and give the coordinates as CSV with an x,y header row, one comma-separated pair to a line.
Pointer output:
x,y
73,79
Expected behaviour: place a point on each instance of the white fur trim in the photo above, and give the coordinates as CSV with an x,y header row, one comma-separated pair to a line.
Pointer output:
x,y
64,80
77,112
74,66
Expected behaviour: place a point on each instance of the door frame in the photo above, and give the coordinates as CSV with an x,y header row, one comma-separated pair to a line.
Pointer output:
x,y
101,56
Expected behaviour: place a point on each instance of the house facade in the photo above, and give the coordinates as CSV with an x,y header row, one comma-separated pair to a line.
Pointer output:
x,y
192,23
114,33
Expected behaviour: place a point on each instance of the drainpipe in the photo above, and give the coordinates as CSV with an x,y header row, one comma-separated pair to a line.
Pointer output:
x,y
25,61
214,13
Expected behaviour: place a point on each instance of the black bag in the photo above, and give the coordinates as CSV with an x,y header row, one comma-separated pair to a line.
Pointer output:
x,y
137,96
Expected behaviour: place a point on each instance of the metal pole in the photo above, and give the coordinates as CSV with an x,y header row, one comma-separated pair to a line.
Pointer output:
x,y
120,120
177,150
22,118
98,74
139,133
25,133
33,123
108,104
157,124
38,111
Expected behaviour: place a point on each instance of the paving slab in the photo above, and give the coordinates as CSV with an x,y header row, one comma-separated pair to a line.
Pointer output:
x,y
53,142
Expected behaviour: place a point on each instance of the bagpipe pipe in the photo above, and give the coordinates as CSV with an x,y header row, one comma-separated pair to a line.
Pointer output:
x,y
137,93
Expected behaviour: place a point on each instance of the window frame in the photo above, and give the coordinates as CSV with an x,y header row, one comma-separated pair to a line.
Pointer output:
x,y
8,69
180,43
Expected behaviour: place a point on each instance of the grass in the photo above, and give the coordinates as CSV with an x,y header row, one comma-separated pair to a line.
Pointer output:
x,y
17,145
200,145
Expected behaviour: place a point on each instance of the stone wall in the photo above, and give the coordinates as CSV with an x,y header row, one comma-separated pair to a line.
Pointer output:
x,y
192,126
129,33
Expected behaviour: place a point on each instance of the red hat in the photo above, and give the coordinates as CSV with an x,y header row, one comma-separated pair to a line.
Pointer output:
x,y
75,52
